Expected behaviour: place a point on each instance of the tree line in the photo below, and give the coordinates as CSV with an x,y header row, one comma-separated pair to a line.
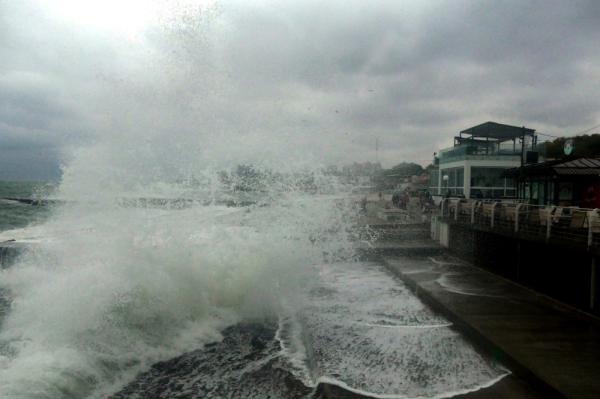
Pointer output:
x,y
584,146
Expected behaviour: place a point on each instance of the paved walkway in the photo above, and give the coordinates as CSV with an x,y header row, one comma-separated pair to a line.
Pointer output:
x,y
553,347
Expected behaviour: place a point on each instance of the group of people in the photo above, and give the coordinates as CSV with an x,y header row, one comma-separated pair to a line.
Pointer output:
x,y
423,198
400,200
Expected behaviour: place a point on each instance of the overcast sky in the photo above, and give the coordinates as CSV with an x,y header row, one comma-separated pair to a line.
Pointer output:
x,y
300,79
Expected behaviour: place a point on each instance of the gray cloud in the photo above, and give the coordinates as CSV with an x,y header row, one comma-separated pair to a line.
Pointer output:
x,y
296,78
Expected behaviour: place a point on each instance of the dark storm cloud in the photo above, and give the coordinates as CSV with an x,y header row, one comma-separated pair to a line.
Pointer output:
x,y
49,77
533,34
32,108
429,71
29,111
330,77
29,164
516,60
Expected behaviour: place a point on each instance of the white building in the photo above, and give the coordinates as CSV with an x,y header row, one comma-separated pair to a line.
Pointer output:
x,y
474,166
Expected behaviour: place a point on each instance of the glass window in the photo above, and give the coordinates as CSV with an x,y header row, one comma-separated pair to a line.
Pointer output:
x,y
460,177
487,177
455,183
565,191
434,181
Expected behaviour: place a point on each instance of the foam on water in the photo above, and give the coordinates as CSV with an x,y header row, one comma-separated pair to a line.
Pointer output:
x,y
116,283
124,287
319,340
129,287
289,335
367,333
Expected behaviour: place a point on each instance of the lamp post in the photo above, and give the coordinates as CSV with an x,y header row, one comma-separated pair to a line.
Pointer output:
x,y
445,178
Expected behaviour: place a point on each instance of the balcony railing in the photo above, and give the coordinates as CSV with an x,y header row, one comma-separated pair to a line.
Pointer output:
x,y
567,225
505,151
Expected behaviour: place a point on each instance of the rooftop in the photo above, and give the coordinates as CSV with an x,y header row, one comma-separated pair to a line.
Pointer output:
x,y
575,167
495,131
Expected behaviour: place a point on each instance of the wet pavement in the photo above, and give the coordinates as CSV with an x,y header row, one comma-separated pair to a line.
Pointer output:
x,y
552,349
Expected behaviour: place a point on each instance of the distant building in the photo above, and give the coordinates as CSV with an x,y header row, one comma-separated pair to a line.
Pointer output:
x,y
574,182
361,174
367,169
474,167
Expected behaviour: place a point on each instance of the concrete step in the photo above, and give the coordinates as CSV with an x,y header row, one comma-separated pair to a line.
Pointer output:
x,y
396,248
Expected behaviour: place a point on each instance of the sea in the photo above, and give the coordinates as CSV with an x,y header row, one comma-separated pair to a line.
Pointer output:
x,y
15,214
220,293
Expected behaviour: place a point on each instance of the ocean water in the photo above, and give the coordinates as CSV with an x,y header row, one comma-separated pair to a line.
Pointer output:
x,y
120,300
14,214
196,249
106,289
353,331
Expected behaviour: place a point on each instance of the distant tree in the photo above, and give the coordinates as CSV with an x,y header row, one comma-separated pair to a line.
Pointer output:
x,y
586,146
405,169
245,178
362,169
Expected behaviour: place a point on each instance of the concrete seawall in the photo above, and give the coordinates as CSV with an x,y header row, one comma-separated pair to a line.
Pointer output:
x,y
552,348
413,279
559,270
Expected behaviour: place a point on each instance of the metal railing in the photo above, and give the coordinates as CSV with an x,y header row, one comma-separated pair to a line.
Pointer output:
x,y
570,225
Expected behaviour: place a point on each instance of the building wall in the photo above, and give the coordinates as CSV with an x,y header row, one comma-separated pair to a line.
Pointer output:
x,y
468,164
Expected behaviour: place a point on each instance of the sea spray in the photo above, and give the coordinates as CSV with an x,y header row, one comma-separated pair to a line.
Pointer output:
x,y
192,202
126,286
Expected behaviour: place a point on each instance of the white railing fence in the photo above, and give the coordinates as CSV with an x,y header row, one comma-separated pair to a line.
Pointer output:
x,y
549,222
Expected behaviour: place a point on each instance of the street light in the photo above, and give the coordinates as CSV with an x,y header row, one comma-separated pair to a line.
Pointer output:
x,y
445,178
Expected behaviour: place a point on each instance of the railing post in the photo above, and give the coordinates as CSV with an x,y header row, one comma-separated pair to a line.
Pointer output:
x,y
473,212
517,210
548,223
442,210
593,286
591,215
492,215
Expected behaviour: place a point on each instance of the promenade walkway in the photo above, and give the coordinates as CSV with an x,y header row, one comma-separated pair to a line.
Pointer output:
x,y
551,346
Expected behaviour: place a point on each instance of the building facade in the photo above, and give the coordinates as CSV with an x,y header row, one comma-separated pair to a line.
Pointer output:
x,y
474,167
566,182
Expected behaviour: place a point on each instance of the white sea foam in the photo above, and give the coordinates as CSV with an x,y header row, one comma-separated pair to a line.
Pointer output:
x,y
367,333
443,395
289,336
115,284
128,287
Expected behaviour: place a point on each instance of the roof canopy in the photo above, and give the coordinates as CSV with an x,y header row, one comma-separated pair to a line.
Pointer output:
x,y
573,167
496,131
